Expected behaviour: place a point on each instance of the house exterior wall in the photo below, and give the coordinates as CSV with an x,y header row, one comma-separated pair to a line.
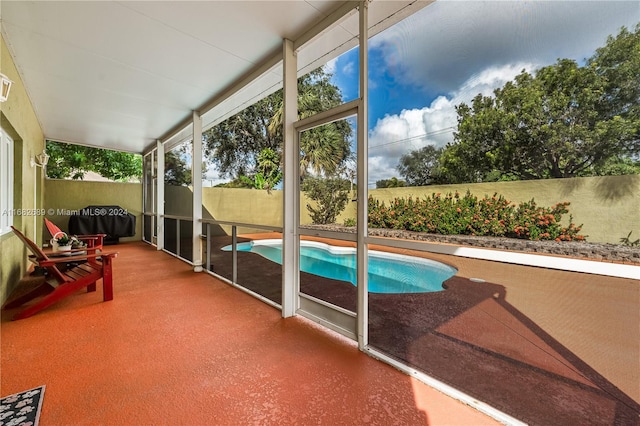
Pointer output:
x,y
19,120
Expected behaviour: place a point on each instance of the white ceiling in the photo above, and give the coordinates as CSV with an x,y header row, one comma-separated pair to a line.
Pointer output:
x,y
121,74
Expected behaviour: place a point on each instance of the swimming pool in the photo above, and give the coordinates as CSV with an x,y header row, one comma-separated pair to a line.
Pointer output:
x,y
388,272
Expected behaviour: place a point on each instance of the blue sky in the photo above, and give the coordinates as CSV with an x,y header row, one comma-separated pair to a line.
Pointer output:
x,y
450,51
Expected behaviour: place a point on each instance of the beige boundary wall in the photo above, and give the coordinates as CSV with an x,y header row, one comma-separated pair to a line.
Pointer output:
x,y
62,197
237,205
607,206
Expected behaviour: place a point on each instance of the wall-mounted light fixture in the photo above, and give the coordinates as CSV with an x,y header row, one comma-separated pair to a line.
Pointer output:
x,y
40,160
5,87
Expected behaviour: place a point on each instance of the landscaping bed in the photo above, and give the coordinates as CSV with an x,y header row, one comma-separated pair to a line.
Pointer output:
x,y
578,249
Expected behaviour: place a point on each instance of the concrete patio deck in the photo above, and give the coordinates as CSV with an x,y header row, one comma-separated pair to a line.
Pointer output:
x,y
544,346
175,347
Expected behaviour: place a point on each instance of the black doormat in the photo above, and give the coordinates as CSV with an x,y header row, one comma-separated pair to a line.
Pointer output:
x,y
23,408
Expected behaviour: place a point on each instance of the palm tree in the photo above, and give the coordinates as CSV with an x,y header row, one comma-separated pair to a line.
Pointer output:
x,y
325,148
235,144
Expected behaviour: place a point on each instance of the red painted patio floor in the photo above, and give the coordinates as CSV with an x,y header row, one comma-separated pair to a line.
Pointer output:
x,y
176,347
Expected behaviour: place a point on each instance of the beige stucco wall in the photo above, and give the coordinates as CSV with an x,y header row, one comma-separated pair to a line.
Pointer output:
x,y
228,204
607,206
244,205
64,196
236,205
19,120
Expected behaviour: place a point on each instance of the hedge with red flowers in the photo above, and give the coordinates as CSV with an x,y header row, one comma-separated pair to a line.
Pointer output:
x,y
491,216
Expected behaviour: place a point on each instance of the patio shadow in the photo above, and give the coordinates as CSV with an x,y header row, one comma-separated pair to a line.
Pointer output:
x,y
471,338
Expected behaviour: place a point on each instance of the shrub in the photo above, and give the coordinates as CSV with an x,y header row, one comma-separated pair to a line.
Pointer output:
x,y
350,221
544,223
331,196
627,241
490,216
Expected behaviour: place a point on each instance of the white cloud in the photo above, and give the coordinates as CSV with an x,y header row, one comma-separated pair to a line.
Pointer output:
x,y
453,50
349,68
331,66
486,81
373,83
399,134
211,177
446,41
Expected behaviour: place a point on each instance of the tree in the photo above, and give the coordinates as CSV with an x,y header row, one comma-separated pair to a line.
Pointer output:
x,y
394,182
74,161
176,170
268,175
618,62
323,149
331,196
420,167
239,182
234,145
564,121
619,166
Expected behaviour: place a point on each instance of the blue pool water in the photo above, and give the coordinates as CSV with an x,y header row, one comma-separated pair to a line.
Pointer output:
x,y
388,272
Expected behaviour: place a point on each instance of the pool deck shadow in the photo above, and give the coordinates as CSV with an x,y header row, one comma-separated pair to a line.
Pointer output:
x,y
468,336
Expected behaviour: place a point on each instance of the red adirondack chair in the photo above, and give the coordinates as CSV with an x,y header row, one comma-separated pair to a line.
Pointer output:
x,y
92,241
64,275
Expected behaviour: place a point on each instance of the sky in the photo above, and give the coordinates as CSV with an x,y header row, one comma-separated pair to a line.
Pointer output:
x,y
447,53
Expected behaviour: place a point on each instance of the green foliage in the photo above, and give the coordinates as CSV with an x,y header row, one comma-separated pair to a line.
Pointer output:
x,y
259,182
256,183
616,166
420,167
531,222
330,195
269,174
394,182
468,215
239,182
618,62
627,241
350,221
176,171
324,149
235,144
74,161
547,126
566,120
76,243
63,239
